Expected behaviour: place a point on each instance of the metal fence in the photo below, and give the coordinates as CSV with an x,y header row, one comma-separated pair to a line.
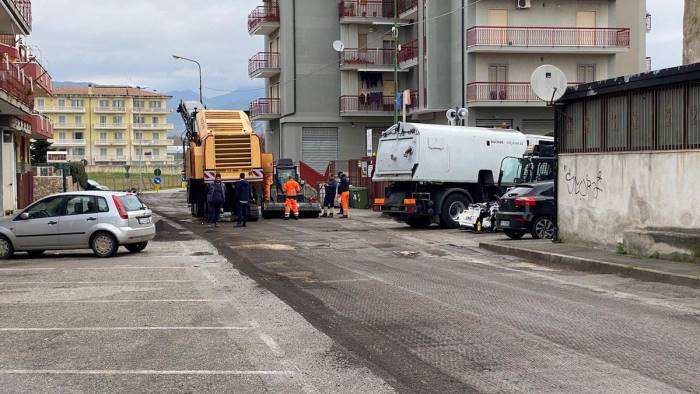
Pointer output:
x,y
664,118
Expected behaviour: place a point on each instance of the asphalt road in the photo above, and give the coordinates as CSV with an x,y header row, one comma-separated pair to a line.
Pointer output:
x,y
428,312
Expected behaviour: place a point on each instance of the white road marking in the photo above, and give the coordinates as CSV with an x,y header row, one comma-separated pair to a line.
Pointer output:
x,y
346,280
177,226
274,347
111,301
133,372
104,281
41,329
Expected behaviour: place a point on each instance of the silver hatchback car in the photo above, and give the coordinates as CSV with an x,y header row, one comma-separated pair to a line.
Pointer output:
x,y
99,220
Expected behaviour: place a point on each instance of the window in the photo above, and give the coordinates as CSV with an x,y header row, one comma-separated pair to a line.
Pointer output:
x,y
139,152
155,104
139,119
104,103
61,103
118,103
62,136
103,119
103,136
138,103
102,205
78,120
156,136
138,136
46,208
120,152
78,151
61,120
40,103
585,73
117,119
131,203
80,205
156,152
118,136
78,135
77,103
155,120
103,152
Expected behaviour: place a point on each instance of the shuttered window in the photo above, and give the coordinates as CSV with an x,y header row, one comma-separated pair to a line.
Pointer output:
x,y
319,147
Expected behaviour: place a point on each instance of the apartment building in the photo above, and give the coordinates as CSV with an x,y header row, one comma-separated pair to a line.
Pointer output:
x,y
109,125
320,104
21,77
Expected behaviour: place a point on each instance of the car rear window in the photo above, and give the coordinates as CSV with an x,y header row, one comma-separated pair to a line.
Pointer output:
x,y
518,191
131,203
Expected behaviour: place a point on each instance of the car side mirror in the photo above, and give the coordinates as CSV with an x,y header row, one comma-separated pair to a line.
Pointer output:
x,y
24,216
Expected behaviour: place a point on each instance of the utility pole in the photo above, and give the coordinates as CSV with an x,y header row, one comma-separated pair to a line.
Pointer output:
x,y
395,34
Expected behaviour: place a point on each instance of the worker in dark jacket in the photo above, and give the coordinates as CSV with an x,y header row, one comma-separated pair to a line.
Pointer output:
x,y
216,195
243,201
344,191
329,199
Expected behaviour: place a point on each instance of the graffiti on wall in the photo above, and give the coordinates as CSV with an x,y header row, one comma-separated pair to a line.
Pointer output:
x,y
584,187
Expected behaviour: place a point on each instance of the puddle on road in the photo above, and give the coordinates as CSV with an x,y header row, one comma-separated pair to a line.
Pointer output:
x,y
278,247
202,254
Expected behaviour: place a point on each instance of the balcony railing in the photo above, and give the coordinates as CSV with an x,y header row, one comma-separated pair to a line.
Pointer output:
x,y
154,126
265,107
269,12
526,37
15,85
367,57
502,92
373,102
366,9
41,78
25,10
69,125
110,158
165,142
69,142
110,110
69,109
110,142
115,126
407,5
144,110
409,51
263,61
42,127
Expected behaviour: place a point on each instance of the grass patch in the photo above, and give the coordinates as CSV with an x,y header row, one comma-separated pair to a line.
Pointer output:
x,y
144,182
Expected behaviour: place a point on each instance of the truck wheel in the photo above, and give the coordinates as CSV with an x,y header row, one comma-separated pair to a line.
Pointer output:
x,y
452,207
513,234
199,209
419,222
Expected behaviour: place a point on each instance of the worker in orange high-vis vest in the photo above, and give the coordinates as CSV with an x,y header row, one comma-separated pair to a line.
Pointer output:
x,y
344,191
291,188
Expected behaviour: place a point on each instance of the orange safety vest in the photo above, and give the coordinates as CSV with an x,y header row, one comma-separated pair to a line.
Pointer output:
x,y
291,188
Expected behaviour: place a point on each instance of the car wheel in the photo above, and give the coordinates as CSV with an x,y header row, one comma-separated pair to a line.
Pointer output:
x,y
104,245
513,234
543,228
419,222
452,208
135,248
6,248
35,253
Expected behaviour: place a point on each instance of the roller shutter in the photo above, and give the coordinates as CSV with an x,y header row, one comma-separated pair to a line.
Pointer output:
x,y
494,122
319,147
537,126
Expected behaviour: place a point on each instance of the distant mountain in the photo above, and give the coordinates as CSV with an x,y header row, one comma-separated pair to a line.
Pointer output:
x,y
72,83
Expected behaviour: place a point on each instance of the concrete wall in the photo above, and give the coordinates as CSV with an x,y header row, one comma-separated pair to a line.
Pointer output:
x,y
603,195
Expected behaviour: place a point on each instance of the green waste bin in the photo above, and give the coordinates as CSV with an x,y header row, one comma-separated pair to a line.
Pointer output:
x,y
358,198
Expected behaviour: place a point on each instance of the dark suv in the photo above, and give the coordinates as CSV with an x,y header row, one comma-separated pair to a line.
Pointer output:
x,y
528,208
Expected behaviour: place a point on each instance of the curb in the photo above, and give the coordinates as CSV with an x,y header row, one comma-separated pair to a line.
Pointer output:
x,y
592,265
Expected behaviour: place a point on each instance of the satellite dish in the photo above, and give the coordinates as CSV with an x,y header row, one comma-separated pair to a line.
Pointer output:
x,y
549,83
338,46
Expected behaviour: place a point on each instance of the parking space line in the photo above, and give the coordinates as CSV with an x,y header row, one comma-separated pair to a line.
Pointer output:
x,y
103,282
114,301
134,372
43,329
346,280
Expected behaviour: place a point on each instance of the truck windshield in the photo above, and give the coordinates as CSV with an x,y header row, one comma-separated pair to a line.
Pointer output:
x,y
512,170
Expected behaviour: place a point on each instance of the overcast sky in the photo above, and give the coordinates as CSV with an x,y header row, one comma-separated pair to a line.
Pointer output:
x,y
131,41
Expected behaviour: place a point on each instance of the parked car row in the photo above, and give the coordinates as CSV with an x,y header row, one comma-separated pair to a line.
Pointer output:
x,y
98,220
526,208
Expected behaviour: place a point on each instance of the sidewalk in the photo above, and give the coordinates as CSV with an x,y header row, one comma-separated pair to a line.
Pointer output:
x,y
600,261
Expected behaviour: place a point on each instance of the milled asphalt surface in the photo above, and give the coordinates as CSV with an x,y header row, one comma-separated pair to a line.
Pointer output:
x,y
327,305
427,311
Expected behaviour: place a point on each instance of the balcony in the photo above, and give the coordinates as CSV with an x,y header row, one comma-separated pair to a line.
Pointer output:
x,y
408,55
375,104
41,78
264,19
265,109
107,159
69,126
110,126
153,126
62,110
16,17
16,96
107,142
42,127
69,142
547,39
380,12
166,142
264,65
144,110
373,59
408,9
505,94
110,110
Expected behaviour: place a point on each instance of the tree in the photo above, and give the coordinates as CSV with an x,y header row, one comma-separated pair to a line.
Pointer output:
x,y
38,151
691,32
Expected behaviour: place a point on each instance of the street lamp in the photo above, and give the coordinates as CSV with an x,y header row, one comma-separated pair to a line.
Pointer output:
x,y
201,99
